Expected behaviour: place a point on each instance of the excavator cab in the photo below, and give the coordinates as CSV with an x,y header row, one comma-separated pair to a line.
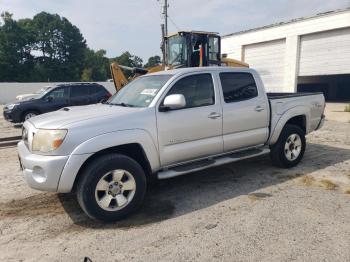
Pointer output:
x,y
183,49
193,49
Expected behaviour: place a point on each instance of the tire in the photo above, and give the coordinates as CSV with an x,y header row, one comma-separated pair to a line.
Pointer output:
x,y
289,148
102,189
29,114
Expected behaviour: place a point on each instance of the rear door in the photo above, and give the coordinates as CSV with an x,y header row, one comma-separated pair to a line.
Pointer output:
x,y
79,95
245,111
196,130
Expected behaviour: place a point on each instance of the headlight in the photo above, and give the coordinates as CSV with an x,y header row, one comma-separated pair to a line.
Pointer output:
x,y
46,140
11,106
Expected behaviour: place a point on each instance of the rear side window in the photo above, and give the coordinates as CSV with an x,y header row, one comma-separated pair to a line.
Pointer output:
x,y
238,86
78,91
93,89
198,90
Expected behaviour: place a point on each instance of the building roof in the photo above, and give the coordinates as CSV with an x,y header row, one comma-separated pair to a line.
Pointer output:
x,y
289,22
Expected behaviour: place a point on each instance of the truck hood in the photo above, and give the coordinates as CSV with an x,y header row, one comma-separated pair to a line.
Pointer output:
x,y
72,115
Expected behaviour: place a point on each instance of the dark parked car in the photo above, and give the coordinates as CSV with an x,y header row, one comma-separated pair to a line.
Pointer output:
x,y
54,98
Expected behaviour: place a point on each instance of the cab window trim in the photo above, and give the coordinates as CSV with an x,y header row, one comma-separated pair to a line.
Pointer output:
x,y
166,93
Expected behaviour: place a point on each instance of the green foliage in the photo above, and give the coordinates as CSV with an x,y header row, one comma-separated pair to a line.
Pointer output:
x,y
50,48
153,61
347,108
45,48
96,66
128,59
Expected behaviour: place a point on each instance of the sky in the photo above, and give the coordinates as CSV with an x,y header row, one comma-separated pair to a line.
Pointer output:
x,y
134,25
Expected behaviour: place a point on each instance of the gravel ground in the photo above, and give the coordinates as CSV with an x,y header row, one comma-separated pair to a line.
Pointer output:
x,y
247,211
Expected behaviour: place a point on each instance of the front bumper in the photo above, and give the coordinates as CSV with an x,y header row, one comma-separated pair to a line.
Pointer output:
x,y
12,116
41,172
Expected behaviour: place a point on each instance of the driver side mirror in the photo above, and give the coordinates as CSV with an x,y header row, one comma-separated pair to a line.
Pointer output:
x,y
171,102
49,99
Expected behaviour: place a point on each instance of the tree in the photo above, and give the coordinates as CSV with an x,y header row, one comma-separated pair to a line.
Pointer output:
x,y
59,47
96,66
128,59
14,54
153,61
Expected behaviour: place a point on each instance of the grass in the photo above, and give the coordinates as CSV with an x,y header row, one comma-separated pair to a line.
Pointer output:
x,y
347,108
308,180
327,184
347,191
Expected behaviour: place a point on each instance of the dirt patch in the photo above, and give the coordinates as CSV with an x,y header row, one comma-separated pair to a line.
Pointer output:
x,y
329,185
308,180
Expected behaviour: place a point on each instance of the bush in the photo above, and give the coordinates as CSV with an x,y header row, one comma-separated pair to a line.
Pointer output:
x,y
347,108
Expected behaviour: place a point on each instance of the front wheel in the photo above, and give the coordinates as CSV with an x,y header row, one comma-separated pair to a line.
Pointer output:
x,y
28,115
289,148
111,187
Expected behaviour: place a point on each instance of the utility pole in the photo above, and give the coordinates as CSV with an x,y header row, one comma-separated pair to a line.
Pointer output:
x,y
164,28
165,13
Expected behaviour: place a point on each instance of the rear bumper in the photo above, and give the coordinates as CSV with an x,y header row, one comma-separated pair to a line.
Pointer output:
x,y
320,125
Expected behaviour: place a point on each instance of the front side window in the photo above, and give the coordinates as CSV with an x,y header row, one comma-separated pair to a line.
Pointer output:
x,y
58,93
198,90
139,92
238,86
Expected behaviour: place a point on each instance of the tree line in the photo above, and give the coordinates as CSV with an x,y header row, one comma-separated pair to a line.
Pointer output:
x,y
50,48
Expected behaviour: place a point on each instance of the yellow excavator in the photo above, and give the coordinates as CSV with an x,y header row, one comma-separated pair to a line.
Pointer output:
x,y
183,49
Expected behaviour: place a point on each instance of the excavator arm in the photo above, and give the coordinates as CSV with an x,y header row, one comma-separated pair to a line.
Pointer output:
x,y
121,80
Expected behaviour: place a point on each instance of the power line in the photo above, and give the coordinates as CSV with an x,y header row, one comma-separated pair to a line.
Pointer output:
x,y
172,21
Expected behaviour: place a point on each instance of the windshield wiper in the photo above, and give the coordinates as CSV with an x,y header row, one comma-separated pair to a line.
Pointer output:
x,y
122,104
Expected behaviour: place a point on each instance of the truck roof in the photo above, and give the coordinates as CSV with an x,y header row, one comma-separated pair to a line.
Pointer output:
x,y
181,71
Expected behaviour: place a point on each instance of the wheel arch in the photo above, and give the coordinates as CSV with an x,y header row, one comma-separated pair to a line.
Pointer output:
x,y
25,111
135,143
298,116
132,150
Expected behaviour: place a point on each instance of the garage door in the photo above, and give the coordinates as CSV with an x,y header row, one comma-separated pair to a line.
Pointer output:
x,y
326,53
268,59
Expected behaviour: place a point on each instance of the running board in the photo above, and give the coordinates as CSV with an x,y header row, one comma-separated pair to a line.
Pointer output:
x,y
211,162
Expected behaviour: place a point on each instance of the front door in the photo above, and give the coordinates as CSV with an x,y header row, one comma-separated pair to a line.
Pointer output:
x,y
195,131
56,99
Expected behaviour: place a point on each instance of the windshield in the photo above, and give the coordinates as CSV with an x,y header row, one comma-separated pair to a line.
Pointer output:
x,y
140,92
177,50
43,90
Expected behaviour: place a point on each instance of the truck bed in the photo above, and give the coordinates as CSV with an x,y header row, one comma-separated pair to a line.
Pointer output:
x,y
310,104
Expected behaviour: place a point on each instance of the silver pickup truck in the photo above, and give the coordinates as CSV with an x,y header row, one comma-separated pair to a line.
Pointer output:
x,y
159,126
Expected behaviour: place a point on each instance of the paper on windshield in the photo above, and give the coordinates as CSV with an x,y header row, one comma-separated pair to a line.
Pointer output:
x,y
150,92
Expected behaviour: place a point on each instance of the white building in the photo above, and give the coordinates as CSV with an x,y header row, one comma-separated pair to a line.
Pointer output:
x,y
306,54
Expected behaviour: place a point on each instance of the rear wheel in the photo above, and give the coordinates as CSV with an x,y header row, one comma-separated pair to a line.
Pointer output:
x,y
290,147
111,187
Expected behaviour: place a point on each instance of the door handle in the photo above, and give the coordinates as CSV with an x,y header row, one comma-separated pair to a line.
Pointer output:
x,y
214,115
259,108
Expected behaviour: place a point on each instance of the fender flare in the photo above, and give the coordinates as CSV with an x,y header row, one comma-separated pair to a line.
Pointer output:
x,y
277,128
101,142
